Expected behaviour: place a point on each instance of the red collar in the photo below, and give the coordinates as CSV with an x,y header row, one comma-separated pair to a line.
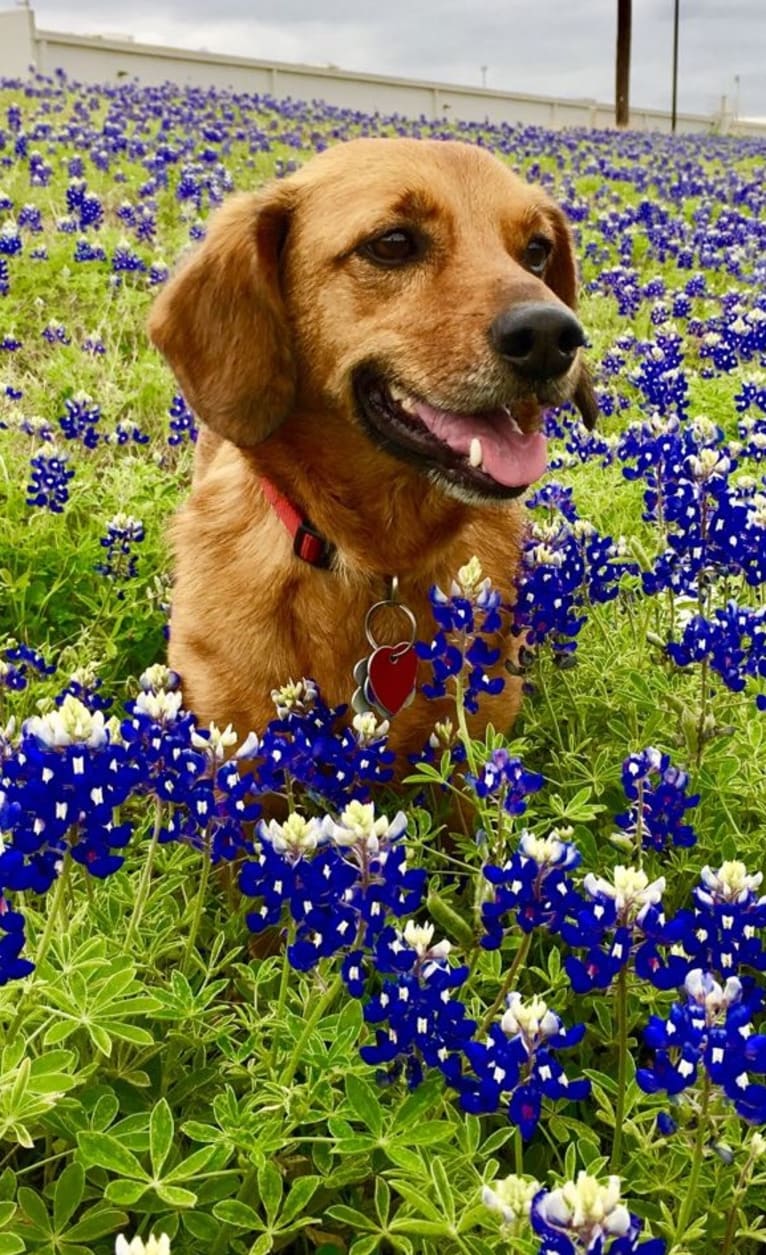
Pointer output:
x,y
308,544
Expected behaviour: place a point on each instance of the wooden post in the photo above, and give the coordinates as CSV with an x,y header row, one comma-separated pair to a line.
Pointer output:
x,y
622,78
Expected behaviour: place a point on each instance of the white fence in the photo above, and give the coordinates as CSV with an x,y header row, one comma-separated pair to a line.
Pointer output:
x,y
93,59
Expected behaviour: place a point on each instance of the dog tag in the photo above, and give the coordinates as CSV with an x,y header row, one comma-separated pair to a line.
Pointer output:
x,y
385,681
391,672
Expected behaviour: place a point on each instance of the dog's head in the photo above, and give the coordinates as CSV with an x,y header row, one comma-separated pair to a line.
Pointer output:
x,y
416,289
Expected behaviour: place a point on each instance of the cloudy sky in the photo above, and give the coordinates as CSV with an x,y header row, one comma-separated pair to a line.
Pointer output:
x,y
551,47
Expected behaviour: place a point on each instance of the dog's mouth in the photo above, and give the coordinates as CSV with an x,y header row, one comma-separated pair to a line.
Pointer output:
x,y
486,453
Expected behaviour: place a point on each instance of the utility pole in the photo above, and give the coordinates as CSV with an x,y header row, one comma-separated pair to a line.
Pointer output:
x,y
622,83
675,68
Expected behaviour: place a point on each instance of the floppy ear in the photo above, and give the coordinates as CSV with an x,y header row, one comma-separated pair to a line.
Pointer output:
x,y
221,324
561,277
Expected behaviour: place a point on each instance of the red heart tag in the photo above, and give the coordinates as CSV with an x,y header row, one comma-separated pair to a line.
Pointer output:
x,y
391,674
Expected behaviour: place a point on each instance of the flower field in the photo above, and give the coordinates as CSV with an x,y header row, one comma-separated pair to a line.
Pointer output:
x,y
344,1031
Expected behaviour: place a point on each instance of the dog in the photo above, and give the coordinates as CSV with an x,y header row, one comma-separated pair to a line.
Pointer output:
x,y
370,345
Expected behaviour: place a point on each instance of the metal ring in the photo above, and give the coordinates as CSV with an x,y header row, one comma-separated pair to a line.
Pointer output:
x,y
394,605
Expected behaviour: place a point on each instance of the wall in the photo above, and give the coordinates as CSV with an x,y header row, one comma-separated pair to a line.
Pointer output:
x,y
95,59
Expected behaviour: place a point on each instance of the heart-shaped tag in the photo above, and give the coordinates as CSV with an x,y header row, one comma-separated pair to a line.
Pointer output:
x,y
391,673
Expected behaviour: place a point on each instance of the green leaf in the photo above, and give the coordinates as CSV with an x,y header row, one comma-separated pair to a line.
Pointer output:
x,y
443,1189
130,1032
6,1211
302,1191
125,1193
174,1196
10,1244
262,1245
68,1194
96,1222
160,1135
365,1104
350,1216
35,1210
194,1164
365,1246
413,1107
232,1211
103,1151
59,1031
382,1200
100,1038
201,1226
270,1187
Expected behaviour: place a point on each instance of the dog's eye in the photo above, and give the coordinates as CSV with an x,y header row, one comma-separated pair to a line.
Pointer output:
x,y
393,248
536,255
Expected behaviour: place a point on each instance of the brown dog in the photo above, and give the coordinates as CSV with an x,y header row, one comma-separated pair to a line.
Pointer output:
x,y
370,344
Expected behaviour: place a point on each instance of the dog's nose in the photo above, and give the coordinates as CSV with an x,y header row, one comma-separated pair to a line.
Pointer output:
x,y
538,338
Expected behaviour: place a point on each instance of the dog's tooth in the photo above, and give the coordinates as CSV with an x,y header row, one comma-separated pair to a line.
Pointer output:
x,y
476,453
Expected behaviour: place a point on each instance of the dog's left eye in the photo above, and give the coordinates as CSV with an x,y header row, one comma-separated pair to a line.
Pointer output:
x,y
393,248
536,255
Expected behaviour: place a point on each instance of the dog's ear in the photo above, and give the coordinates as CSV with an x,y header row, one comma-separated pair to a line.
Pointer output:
x,y
221,323
561,277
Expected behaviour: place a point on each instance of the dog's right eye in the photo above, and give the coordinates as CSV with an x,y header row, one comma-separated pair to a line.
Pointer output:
x,y
393,248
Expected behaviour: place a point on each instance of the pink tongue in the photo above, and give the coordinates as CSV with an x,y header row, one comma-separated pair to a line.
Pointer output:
x,y
510,457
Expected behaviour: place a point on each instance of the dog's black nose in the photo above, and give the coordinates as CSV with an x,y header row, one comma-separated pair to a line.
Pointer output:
x,y
538,338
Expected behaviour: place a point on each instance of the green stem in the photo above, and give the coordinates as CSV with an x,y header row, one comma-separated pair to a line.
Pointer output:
x,y
518,1153
739,1190
146,876
281,998
324,1003
694,1176
56,921
518,960
199,902
621,1004
462,723
703,710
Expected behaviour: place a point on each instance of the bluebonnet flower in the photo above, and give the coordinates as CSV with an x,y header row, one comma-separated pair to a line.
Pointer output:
x,y
341,895
658,791
55,333
48,481
218,804
425,1024
93,344
617,919
517,1062
122,533
85,251
5,277
534,885
307,744
125,261
84,684
67,775
159,272
584,1217
126,432
91,211
182,424
565,564
159,733
15,662
732,642
471,613
505,778
511,1197
712,1029
81,419
10,239
31,217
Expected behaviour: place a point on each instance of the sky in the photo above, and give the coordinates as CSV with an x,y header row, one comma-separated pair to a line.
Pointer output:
x,y
559,48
